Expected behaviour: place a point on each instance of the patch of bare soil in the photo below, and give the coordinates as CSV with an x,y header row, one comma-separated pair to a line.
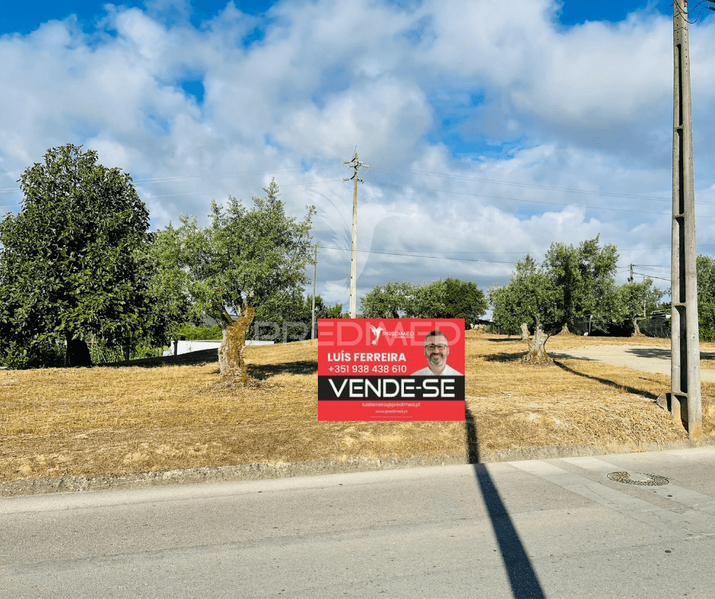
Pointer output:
x,y
117,420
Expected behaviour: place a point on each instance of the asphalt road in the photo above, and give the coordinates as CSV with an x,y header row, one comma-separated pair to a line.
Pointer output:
x,y
556,528
637,357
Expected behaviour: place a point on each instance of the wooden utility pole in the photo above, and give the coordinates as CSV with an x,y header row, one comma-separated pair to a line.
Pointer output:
x,y
354,164
685,337
312,311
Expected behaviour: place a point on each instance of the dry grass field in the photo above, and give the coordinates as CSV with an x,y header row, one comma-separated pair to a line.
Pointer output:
x,y
116,420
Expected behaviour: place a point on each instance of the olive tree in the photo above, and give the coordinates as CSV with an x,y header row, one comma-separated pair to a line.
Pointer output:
x,y
572,282
246,260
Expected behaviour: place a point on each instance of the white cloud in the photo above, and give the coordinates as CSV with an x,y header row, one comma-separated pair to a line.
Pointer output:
x,y
584,108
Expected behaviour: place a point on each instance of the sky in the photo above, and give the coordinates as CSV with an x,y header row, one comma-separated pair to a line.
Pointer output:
x,y
491,130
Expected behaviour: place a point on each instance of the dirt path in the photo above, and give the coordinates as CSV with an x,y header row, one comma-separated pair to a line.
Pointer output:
x,y
636,357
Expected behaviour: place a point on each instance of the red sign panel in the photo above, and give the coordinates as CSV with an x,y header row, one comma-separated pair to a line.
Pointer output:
x,y
391,369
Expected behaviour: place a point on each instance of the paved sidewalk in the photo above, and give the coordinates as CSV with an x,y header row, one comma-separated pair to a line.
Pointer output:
x,y
637,357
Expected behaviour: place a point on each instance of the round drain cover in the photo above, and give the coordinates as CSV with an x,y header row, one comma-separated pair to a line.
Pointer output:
x,y
638,478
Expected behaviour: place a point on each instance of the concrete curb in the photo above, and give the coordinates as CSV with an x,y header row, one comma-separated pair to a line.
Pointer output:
x,y
143,480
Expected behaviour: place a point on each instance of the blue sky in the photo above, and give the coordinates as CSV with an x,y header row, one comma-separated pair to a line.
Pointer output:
x,y
490,133
24,18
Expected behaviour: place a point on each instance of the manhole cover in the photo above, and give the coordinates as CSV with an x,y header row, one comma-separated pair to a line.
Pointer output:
x,y
638,478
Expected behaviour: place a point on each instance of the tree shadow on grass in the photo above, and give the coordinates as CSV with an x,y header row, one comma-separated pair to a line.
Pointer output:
x,y
194,358
522,576
608,382
505,357
264,371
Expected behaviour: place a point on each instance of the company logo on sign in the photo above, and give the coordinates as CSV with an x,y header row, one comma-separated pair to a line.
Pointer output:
x,y
380,330
376,331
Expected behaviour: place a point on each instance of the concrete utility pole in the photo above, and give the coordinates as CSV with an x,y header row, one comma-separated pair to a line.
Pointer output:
x,y
355,164
312,311
685,337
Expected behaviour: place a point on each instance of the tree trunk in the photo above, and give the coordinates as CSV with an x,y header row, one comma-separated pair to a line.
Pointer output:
x,y
230,353
636,328
524,332
77,353
537,351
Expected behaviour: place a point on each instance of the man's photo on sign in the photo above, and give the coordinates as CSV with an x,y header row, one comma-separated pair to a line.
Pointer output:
x,y
436,350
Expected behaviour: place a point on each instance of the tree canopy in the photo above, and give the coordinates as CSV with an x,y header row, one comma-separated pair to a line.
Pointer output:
x,y
530,297
255,257
705,267
72,264
571,283
638,299
584,278
449,298
391,300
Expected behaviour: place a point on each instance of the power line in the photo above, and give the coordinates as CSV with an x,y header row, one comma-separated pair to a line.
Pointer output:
x,y
651,276
481,261
236,174
565,205
179,179
525,185
286,186
416,255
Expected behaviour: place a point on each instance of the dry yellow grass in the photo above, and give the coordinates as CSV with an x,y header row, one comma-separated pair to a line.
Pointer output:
x,y
118,420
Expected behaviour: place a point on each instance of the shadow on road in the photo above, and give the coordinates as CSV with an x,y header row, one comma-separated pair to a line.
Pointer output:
x,y
660,353
633,390
522,577
663,353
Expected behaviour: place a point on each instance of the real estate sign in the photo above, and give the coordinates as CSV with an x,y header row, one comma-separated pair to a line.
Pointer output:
x,y
391,369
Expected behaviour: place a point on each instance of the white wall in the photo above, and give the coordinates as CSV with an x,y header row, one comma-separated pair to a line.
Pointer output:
x,y
188,346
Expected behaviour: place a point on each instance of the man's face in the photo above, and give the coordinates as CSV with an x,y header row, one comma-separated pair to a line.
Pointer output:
x,y
436,351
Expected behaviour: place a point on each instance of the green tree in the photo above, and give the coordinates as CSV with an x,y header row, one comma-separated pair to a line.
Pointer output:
x,y
705,268
450,298
571,283
73,262
635,299
169,289
531,297
585,278
392,300
335,311
255,257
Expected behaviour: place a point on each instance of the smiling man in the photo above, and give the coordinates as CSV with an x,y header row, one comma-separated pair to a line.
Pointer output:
x,y
436,352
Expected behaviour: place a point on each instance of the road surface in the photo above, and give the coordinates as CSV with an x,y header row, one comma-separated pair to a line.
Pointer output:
x,y
556,529
637,357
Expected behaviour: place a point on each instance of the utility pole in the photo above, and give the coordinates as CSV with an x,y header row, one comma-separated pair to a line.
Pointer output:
x,y
312,311
630,279
685,337
354,164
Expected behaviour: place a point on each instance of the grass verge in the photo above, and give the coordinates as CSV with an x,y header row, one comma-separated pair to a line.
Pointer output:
x,y
117,420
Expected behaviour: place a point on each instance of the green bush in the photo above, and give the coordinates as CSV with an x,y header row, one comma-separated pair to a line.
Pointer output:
x,y
192,333
35,354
